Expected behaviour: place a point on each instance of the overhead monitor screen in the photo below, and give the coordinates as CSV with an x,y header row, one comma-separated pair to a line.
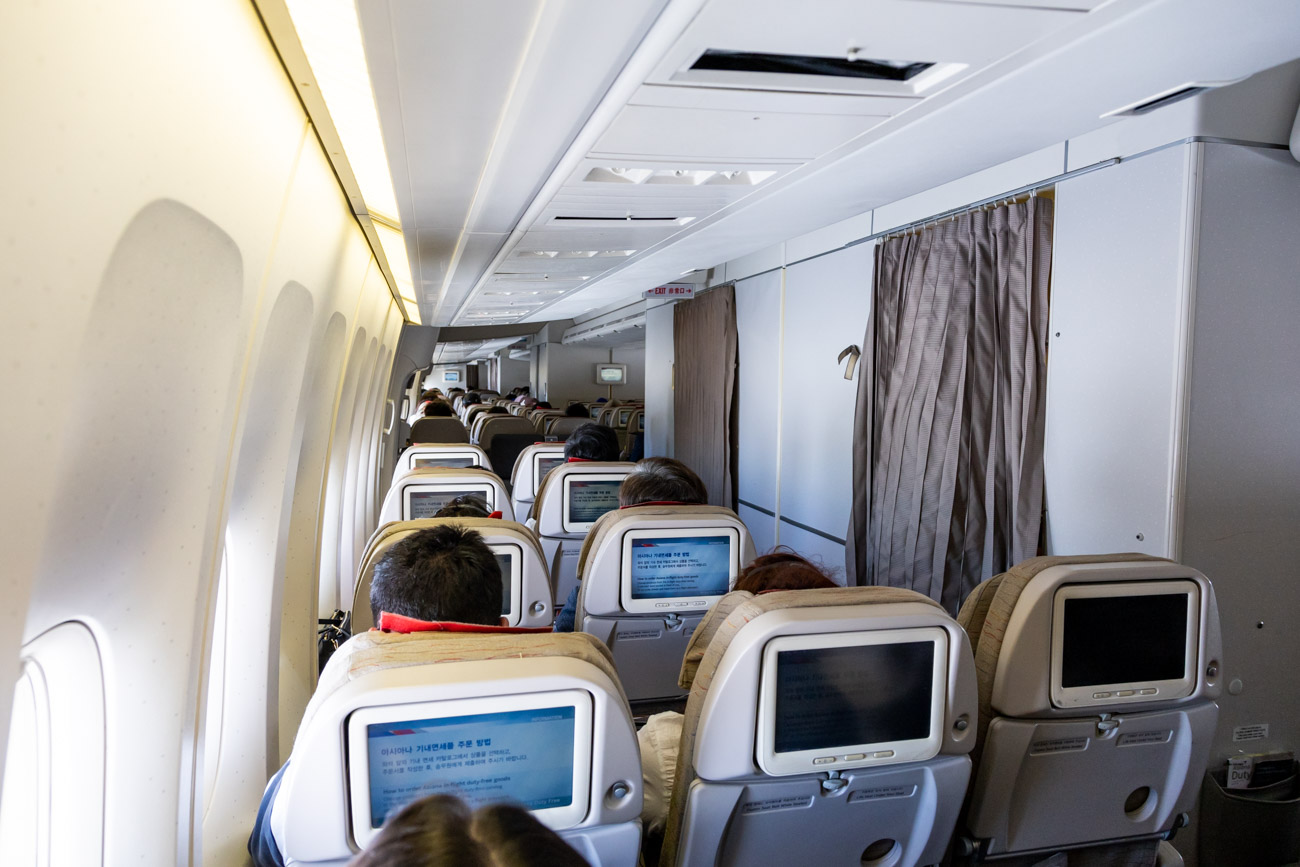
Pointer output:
x,y
451,376
611,374
587,497
838,700
543,463
449,463
425,501
532,750
665,569
1124,641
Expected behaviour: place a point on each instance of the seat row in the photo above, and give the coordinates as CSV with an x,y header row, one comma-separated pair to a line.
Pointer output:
x,y
1069,706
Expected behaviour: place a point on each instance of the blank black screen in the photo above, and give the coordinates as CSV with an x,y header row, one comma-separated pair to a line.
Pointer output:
x,y
849,696
1124,639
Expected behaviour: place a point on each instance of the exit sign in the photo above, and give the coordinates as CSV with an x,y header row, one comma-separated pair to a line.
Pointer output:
x,y
672,290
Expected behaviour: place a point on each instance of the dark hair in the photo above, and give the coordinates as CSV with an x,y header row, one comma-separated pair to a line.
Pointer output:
x,y
782,569
577,410
497,410
542,404
473,397
592,442
437,408
440,831
464,506
441,573
431,394
655,480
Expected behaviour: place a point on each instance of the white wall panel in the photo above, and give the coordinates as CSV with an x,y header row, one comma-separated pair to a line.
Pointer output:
x,y
758,329
1243,464
762,527
659,380
1119,302
826,305
825,552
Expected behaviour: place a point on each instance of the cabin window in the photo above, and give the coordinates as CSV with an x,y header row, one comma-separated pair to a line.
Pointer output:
x,y
53,808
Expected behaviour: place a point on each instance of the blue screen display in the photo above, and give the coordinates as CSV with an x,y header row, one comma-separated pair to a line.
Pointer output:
x,y
524,756
589,500
680,566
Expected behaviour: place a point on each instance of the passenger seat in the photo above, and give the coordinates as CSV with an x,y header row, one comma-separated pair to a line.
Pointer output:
x,y
1097,681
825,726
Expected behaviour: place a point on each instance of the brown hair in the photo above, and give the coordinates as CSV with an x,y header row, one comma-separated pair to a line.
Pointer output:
x,y
782,570
655,480
440,831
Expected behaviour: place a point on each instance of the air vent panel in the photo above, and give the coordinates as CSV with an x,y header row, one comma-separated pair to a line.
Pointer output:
x,y
805,64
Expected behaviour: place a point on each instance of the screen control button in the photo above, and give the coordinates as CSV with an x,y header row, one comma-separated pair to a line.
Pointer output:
x,y
1101,695
854,757
824,760
1147,691
883,754
1125,693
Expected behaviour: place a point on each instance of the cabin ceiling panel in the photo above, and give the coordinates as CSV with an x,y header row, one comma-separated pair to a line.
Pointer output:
x,y
658,131
731,99
894,30
1044,95
478,102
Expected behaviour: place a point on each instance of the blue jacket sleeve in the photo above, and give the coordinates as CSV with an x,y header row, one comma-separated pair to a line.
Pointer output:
x,y
261,843
564,620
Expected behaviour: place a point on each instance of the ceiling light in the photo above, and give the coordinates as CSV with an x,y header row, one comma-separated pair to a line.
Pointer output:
x,y
331,39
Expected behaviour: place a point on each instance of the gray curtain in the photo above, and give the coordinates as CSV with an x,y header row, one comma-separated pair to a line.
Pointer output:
x,y
948,440
704,390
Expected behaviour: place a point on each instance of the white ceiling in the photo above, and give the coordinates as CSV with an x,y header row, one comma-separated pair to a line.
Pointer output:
x,y
502,117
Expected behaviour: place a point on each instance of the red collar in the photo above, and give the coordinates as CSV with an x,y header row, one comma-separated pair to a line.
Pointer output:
x,y
579,461
400,623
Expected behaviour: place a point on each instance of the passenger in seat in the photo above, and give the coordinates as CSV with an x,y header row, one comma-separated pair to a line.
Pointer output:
x,y
577,410
440,831
464,506
652,480
438,408
591,442
445,573
661,735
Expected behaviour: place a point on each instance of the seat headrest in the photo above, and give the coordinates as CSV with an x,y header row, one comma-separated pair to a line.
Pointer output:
x,y
778,600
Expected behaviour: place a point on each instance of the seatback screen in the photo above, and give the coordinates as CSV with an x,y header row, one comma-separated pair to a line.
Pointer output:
x,y
588,500
623,415
853,696
1124,639
506,562
544,466
450,463
523,756
665,568
426,504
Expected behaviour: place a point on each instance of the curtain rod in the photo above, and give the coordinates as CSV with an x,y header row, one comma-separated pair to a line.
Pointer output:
x,y
971,206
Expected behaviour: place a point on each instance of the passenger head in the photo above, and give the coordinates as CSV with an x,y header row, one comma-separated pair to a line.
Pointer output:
x,y
544,404
440,831
577,410
498,410
661,480
592,442
464,506
442,573
782,570
472,398
431,394
438,408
